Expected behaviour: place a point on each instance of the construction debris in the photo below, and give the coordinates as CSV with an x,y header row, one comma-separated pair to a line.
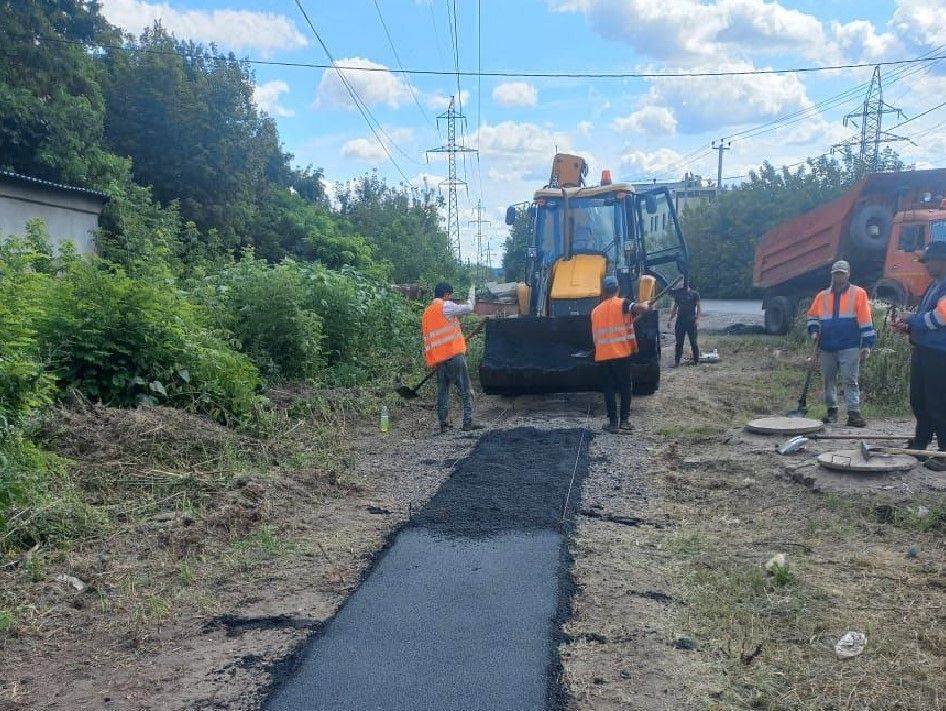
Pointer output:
x,y
850,645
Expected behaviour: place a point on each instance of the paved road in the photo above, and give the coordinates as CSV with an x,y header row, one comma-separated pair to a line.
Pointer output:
x,y
462,611
733,307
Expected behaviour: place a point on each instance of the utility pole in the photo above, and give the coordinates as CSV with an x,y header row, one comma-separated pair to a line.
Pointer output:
x,y
451,148
489,254
721,145
479,222
870,119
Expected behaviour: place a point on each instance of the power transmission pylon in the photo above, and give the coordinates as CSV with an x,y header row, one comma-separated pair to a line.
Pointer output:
x,y
479,222
870,119
452,117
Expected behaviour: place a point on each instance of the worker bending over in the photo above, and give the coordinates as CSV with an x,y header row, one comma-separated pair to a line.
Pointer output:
x,y
927,330
840,320
612,327
445,350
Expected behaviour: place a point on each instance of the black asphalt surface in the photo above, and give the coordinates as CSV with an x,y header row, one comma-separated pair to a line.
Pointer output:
x,y
463,611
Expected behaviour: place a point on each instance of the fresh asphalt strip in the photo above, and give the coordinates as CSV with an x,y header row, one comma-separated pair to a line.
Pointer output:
x,y
463,611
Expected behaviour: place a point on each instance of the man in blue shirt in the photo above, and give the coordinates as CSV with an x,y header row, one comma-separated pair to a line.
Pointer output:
x,y
927,329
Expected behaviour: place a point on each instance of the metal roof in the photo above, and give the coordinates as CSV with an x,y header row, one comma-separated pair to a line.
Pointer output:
x,y
39,182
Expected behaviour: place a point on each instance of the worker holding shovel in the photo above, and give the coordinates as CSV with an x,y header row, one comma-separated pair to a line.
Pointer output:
x,y
927,331
445,350
612,327
840,321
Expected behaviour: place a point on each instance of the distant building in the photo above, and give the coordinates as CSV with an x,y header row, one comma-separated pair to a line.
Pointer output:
x,y
685,193
71,214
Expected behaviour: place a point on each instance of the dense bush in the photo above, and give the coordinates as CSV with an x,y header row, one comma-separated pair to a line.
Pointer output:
x,y
266,309
303,321
24,292
370,331
124,342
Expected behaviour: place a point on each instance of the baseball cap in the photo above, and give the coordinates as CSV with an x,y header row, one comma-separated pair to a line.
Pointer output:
x,y
841,266
611,283
936,250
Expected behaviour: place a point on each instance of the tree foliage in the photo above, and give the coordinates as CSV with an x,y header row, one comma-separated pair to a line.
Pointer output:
x,y
516,248
722,236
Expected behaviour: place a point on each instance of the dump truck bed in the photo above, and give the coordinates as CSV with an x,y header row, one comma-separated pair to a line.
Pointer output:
x,y
816,238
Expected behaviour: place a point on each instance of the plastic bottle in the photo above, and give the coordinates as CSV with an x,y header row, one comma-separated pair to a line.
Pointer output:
x,y
385,419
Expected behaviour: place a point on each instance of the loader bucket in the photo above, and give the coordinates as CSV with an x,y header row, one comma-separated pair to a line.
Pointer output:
x,y
533,355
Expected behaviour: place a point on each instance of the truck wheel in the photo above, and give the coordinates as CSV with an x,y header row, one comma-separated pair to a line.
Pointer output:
x,y
889,292
648,387
778,316
870,228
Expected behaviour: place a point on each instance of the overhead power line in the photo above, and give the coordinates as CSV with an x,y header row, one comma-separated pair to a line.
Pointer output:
x,y
400,64
356,99
524,74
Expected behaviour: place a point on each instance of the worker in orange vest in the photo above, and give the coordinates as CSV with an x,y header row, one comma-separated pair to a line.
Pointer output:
x,y
840,321
445,350
612,328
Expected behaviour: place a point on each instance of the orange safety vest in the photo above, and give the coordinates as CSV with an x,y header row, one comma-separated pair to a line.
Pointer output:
x,y
613,330
443,338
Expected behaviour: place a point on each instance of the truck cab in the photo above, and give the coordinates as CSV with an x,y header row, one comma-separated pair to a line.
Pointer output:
x,y
905,279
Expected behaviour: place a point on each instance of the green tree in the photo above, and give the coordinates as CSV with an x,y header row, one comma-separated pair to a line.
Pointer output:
x,y
516,247
51,104
722,236
403,228
192,131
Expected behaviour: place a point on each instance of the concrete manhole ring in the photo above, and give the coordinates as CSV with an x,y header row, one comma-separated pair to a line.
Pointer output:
x,y
851,460
784,425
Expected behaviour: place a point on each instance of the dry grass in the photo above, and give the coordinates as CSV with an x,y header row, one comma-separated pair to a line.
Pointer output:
x,y
769,638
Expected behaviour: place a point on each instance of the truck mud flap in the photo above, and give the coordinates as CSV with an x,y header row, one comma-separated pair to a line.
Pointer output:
x,y
531,355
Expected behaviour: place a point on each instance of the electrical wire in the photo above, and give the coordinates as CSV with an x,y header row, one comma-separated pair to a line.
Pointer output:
x,y
363,109
509,74
400,64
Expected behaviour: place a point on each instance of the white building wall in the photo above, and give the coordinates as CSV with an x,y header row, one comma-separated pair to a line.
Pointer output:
x,y
67,217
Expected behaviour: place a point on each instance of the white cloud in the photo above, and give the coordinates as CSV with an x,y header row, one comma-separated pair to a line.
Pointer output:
x,y
660,161
516,93
705,103
236,29
584,127
369,149
920,21
440,102
510,139
859,40
266,97
691,30
375,87
649,120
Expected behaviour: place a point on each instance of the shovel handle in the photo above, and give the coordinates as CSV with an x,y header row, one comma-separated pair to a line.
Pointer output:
x,y
932,454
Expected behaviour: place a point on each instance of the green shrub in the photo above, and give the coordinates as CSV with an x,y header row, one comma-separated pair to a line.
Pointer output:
x,y
370,331
885,377
24,291
265,307
126,342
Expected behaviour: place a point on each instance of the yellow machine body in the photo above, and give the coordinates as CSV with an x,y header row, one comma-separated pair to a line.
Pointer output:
x,y
579,277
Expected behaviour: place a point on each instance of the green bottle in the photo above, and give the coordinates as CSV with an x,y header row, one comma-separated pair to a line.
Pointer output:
x,y
385,419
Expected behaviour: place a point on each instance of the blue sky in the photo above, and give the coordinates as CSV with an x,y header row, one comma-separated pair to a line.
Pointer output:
x,y
640,129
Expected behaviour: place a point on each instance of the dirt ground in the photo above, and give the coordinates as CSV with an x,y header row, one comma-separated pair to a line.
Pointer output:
x,y
673,607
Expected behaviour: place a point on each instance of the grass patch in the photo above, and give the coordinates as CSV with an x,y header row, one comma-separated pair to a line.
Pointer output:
x,y
261,546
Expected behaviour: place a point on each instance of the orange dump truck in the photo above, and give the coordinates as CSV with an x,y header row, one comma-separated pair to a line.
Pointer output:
x,y
879,226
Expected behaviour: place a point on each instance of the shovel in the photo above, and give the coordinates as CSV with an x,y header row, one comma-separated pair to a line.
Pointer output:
x,y
409,393
802,408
